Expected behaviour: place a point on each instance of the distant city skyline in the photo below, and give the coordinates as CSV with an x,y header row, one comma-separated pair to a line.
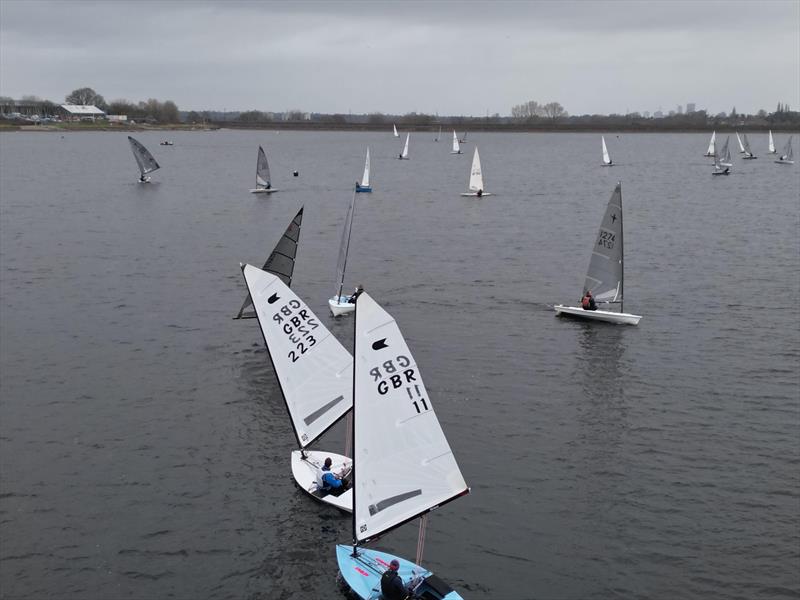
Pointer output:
x,y
447,58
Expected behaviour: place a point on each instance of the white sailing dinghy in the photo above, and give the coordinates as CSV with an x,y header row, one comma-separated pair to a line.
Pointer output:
x,y
787,156
607,162
315,375
606,270
748,153
725,154
404,154
364,186
403,467
476,178
772,149
456,148
263,181
712,144
438,135
145,161
719,168
280,262
741,146
340,304
394,130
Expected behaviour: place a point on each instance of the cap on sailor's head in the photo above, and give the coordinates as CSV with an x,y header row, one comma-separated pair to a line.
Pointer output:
x,y
394,565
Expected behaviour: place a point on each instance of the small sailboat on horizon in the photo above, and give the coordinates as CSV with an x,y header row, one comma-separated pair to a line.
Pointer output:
x,y
476,178
404,154
719,168
607,162
711,144
394,130
724,154
263,179
438,135
463,140
748,153
739,140
772,149
787,156
364,186
456,148
144,160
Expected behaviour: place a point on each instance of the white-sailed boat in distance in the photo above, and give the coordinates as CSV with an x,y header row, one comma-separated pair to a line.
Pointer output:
x,y
741,146
772,149
711,144
476,178
463,140
748,153
365,186
438,135
607,162
606,274
403,466
394,130
263,180
456,148
144,160
280,262
404,154
314,371
787,156
724,155
719,168
341,304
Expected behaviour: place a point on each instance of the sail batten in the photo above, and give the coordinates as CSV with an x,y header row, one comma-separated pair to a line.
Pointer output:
x,y
145,161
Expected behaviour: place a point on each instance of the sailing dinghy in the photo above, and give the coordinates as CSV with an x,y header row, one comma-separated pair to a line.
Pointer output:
x,y
315,375
438,135
456,148
280,262
606,273
364,186
403,467
340,304
394,130
607,162
741,146
145,161
404,154
787,156
712,144
476,178
263,181
772,149
748,153
463,140
725,154
719,168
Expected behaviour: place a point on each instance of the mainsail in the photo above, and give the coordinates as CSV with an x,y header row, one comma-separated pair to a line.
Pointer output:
x,y
787,155
438,135
475,174
365,178
263,179
771,143
405,148
145,160
394,129
605,274
606,157
395,432
344,248
741,146
711,144
725,153
280,262
314,370
746,146
456,149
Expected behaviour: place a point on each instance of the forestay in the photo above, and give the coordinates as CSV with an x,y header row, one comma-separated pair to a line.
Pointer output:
x,y
280,262
145,160
263,179
605,274
403,464
314,370
475,175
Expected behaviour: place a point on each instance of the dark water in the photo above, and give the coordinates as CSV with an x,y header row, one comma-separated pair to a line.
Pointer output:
x,y
145,448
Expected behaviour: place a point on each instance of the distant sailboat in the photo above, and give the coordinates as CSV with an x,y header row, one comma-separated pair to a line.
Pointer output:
x,y
711,144
364,186
456,148
145,161
787,156
725,154
315,375
476,178
741,146
748,153
263,181
719,168
772,149
404,154
280,262
606,274
463,140
394,129
607,162
438,135
340,304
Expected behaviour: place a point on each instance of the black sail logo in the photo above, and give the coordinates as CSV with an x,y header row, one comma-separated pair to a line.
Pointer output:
x,y
273,299
380,344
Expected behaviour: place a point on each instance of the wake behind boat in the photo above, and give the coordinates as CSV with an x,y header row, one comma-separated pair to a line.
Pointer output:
x,y
144,160
364,186
403,466
476,178
606,272
263,180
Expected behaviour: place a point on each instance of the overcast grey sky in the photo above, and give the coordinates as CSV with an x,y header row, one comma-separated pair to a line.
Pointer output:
x,y
397,57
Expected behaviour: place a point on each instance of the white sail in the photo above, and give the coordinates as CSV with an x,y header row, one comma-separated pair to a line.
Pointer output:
x,y
475,174
403,465
344,248
145,160
405,148
741,146
724,154
314,370
263,179
606,157
605,274
772,144
456,149
394,129
365,178
748,153
711,144
787,156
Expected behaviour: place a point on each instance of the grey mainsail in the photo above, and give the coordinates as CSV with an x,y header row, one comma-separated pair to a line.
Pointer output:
x,y
279,263
746,144
145,160
725,153
605,274
344,248
263,179
787,153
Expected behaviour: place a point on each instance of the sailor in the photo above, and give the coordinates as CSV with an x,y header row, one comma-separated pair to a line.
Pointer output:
x,y
295,173
392,587
332,483
480,193
587,302
356,293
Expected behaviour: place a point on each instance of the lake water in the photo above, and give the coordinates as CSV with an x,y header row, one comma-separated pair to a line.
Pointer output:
x,y
145,446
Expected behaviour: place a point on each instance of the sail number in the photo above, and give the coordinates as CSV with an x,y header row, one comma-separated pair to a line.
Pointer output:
x,y
297,325
394,374
607,239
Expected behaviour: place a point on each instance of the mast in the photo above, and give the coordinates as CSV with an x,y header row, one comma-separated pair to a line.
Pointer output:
x,y
353,428
622,251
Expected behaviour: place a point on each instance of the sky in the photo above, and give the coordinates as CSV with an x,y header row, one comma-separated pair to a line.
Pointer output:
x,y
446,58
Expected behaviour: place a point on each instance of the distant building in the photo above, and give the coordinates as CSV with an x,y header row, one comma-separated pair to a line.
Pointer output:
x,y
690,108
78,112
658,114
680,109
117,118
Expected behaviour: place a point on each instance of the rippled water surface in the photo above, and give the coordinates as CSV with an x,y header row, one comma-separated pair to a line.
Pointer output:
x,y
145,446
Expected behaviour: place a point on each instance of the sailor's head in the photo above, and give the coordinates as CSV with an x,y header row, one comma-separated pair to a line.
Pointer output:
x,y
359,288
328,462
394,565
588,292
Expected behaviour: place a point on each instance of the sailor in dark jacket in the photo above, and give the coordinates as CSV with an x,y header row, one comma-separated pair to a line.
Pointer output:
x,y
392,587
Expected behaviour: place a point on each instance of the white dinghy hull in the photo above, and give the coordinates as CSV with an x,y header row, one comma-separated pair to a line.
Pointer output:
x,y
263,191
597,315
340,305
482,194
305,475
